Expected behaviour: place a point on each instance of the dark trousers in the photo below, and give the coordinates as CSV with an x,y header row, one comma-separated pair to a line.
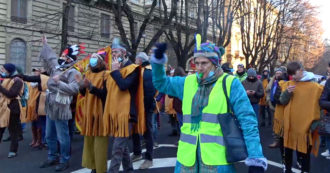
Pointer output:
x,y
40,123
174,123
120,155
147,137
15,129
302,158
263,110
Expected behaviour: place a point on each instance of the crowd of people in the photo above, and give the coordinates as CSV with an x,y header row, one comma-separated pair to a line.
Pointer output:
x,y
216,114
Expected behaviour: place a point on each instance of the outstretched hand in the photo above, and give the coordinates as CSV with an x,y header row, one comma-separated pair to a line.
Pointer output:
x,y
160,50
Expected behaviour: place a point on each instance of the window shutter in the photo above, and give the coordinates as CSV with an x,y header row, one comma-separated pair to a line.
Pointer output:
x,y
19,11
105,25
18,53
14,8
23,11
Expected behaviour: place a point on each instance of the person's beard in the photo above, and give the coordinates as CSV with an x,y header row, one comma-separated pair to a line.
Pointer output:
x,y
252,80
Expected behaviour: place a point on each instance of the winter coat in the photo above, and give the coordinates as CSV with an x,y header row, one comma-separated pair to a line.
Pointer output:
x,y
254,86
263,101
325,97
148,87
65,89
12,94
241,77
238,99
130,83
301,110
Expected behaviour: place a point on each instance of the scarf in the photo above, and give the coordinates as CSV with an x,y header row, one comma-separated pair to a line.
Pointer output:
x,y
240,73
201,97
273,90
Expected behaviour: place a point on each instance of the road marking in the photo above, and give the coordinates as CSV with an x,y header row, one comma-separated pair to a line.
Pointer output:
x,y
281,166
168,162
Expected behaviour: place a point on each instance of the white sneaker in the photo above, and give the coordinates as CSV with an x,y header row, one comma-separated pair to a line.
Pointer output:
x,y
146,164
326,153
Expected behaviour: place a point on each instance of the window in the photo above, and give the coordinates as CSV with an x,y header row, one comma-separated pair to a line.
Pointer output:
x,y
18,53
19,11
70,17
105,26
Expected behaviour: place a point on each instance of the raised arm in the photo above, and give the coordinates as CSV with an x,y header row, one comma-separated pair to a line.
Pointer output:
x,y
172,86
49,57
247,119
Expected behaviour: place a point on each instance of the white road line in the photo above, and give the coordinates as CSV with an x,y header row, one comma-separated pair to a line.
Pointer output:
x,y
168,162
281,166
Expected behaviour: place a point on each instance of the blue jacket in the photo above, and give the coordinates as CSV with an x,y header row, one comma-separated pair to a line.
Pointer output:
x,y
239,101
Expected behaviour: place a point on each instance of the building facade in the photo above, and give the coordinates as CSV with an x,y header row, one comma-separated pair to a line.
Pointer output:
x,y
23,22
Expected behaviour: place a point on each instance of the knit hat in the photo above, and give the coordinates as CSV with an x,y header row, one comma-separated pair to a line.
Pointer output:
x,y
278,69
281,69
11,68
117,44
240,65
251,72
208,50
143,56
227,67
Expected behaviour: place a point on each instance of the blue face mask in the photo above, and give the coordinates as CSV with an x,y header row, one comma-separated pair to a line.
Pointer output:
x,y
3,74
211,73
93,62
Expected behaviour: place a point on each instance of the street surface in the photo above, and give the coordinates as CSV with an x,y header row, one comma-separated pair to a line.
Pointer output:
x,y
28,160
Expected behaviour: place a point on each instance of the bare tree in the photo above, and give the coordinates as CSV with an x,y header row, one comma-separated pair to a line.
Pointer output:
x,y
121,8
181,34
223,15
302,38
259,22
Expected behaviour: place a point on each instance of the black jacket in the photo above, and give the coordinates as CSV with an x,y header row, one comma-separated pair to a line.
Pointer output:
x,y
148,88
325,99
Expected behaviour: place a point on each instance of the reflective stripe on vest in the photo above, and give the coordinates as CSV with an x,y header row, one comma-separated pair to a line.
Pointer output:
x,y
212,139
209,134
188,138
211,118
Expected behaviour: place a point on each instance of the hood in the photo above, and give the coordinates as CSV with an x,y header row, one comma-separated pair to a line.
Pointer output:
x,y
307,76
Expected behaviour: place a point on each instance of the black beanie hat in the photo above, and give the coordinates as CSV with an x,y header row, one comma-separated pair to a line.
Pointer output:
x,y
11,68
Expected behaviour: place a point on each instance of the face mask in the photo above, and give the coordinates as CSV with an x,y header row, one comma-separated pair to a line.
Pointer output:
x,y
120,59
3,74
93,62
61,61
211,73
